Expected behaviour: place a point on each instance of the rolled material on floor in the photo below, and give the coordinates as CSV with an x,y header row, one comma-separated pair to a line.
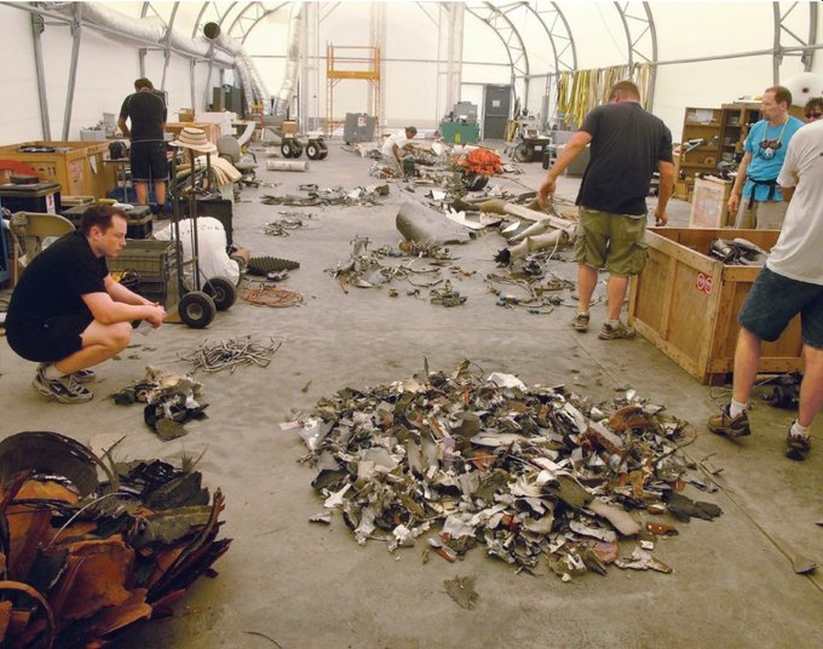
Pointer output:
x,y
287,165
558,238
498,206
422,224
532,231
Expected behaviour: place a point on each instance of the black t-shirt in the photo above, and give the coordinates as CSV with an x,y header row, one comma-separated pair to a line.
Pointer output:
x,y
147,113
627,143
55,280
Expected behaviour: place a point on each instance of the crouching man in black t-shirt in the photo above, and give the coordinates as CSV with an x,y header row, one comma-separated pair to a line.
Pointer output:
x,y
68,314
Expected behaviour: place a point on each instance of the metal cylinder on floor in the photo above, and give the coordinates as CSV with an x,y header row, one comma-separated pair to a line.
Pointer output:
x,y
287,165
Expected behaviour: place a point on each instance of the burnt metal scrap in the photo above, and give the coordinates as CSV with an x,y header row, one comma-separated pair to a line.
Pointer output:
x,y
85,558
171,401
288,222
546,480
231,353
738,252
363,196
367,268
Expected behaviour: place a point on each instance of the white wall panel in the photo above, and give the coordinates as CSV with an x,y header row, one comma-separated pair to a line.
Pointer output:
x,y
19,110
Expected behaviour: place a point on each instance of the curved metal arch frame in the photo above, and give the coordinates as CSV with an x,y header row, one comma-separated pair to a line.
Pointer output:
x,y
520,64
806,55
645,25
557,18
241,20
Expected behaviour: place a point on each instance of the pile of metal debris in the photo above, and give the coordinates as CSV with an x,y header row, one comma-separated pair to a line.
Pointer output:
x,y
544,478
363,196
171,401
738,252
84,558
231,354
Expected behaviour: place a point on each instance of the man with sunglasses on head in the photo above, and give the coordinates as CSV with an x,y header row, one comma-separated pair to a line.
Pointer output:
x,y
756,198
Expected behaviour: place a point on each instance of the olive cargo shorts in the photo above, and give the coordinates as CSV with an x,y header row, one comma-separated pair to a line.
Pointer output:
x,y
611,241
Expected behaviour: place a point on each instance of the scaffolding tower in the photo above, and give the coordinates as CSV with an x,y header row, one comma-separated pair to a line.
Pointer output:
x,y
350,66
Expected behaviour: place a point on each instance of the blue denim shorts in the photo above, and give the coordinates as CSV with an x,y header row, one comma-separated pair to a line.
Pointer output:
x,y
774,300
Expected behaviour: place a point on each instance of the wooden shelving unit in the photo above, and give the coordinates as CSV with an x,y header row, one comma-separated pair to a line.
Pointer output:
x,y
698,123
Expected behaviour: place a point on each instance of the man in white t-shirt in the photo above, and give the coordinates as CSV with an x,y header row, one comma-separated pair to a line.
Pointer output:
x,y
791,283
394,145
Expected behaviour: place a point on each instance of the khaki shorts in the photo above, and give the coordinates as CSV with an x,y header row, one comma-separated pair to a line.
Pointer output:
x,y
763,215
615,242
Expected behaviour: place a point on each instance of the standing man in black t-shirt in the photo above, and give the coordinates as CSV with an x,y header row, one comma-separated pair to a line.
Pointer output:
x,y
628,145
147,113
68,314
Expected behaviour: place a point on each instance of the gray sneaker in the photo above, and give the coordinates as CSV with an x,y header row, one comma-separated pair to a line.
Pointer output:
x,y
64,390
581,322
609,332
81,376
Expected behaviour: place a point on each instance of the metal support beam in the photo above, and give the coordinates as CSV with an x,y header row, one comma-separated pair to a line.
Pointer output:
x,y
806,50
504,28
76,31
641,42
556,27
250,16
167,44
37,27
192,76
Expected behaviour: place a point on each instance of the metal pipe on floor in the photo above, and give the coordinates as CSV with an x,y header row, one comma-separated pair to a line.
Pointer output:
x,y
287,165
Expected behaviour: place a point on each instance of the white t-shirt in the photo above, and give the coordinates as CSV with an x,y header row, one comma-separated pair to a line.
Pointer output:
x,y
797,253
398,138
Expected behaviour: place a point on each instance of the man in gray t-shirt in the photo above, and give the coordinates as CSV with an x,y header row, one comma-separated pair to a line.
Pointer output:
x,y
791,283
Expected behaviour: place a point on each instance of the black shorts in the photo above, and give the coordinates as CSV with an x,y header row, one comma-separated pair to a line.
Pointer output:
x,y
49,341
774,300
149,162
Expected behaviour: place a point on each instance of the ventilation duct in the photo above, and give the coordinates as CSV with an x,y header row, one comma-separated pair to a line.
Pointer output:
x,y
283,99
227,50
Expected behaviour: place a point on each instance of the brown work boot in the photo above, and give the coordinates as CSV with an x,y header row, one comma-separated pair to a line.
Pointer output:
x,y
615,332
797,446
581,322
727,426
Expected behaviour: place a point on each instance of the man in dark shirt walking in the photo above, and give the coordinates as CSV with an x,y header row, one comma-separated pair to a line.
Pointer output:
x,y
628,145
68,314
147,113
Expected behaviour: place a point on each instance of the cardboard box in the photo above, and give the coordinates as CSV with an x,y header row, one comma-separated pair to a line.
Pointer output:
x,y
289,128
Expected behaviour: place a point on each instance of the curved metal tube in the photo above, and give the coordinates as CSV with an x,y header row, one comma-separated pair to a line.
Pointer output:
x,y
498,14
631,44
550,33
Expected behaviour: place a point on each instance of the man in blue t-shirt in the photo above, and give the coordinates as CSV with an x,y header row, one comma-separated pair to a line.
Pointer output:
x,y
758,203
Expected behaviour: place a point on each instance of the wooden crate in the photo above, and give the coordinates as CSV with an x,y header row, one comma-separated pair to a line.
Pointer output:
x,y
710,203
686,303
77,166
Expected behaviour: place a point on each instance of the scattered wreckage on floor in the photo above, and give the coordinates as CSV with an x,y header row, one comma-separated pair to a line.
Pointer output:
x,y
540,476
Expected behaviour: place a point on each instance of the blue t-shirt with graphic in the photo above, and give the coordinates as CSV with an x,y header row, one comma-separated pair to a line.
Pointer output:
x,y
763,138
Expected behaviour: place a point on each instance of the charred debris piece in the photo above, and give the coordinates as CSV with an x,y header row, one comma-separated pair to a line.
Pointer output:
x,y
86,557
543,478
172,400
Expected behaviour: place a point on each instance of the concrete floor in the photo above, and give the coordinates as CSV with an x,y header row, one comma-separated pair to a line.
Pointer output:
x,y
309,587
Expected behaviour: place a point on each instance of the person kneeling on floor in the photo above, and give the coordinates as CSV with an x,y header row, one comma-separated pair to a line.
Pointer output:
x,y
790,283
68,314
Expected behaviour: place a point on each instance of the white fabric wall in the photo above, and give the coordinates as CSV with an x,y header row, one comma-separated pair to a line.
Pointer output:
x,y
105,75
413,91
